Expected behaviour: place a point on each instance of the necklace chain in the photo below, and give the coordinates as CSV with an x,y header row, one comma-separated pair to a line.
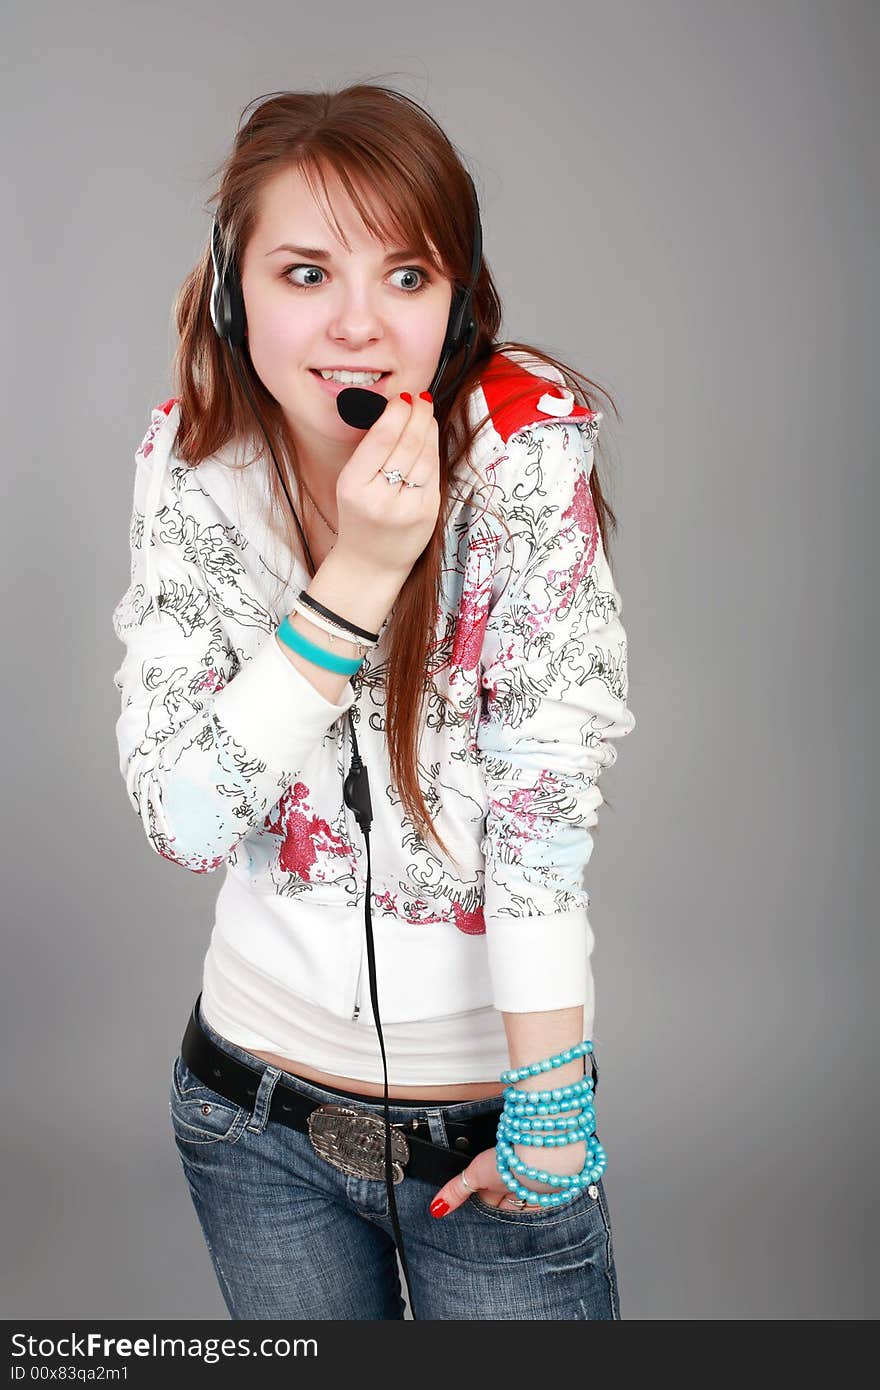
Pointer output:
x,y
318,510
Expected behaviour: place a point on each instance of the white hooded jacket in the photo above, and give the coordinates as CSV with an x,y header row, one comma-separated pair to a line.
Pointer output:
x,y
232,758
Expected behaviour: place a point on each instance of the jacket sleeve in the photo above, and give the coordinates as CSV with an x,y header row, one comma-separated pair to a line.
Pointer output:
x,y
554,678
206,745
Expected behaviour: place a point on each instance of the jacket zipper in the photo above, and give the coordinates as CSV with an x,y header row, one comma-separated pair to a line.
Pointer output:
x,y
349,818
357,988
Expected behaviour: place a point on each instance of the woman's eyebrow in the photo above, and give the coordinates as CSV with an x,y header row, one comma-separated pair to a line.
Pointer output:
x,y
314,253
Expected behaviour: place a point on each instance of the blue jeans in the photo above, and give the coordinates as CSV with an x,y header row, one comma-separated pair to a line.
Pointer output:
x,y
291,1236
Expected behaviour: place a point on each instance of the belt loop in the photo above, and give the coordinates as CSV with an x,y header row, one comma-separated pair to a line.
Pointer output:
x,y
259,1118
437,1126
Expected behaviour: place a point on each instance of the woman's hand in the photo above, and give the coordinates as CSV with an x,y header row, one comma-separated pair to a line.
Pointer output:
x,y
485,1180
384,526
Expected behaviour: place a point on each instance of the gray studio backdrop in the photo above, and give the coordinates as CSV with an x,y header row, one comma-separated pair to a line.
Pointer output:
x,y
680,199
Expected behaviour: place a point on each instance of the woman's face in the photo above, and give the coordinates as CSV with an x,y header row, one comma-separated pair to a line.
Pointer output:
x,y
368,308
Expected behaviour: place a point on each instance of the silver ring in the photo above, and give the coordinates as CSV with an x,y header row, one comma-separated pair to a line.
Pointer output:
x,y
395,476
466,1183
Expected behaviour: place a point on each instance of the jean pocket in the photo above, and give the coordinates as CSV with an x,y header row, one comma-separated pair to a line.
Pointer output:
x,y
200,1115
531,1215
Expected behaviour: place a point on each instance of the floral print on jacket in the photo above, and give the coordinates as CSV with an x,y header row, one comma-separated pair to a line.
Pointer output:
x,y
231,757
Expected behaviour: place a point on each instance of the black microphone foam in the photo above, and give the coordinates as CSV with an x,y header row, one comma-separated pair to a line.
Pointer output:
x,y
359,407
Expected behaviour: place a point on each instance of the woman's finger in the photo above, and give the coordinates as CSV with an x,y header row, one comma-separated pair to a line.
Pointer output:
x,y
417,458
481,1175
454,1194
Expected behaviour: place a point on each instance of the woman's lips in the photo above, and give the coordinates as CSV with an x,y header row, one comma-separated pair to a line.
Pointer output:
x,y
334,387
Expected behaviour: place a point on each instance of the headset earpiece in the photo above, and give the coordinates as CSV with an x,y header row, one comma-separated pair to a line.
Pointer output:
x,y
227,300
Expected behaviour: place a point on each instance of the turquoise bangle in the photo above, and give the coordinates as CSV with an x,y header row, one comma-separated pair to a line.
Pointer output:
x,y
343,665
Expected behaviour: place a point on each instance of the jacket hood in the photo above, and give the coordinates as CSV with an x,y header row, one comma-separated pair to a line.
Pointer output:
x,y
507,374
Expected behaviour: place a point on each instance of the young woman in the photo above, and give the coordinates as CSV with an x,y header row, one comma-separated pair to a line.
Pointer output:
x,y
437,581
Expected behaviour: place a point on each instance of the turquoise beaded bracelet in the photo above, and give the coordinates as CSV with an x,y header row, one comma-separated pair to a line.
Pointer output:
x,y
549,1128
558,1060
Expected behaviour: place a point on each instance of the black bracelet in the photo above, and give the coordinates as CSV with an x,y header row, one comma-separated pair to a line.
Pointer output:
x,y
335,618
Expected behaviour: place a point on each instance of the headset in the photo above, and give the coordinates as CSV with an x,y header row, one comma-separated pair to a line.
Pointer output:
x,y
359,408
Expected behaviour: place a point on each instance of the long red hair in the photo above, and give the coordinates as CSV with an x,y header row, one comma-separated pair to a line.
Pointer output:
x,y
370,137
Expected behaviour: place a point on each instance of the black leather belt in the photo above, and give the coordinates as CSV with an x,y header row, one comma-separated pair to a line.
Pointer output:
x,y
345,1134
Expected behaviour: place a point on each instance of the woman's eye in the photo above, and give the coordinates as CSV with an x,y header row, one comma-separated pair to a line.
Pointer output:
x,y
409,271
292,268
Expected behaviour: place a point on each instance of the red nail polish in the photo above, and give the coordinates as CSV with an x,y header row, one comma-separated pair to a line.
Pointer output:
x,y
439,1207
426,396
405,396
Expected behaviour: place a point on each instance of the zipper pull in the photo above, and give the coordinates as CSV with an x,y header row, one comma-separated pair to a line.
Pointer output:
x,y
357,988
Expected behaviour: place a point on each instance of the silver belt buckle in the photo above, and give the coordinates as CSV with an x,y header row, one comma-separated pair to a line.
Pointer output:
x,y
354,1142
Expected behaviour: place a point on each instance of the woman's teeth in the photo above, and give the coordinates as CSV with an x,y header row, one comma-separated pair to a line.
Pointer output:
x,y
353,378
